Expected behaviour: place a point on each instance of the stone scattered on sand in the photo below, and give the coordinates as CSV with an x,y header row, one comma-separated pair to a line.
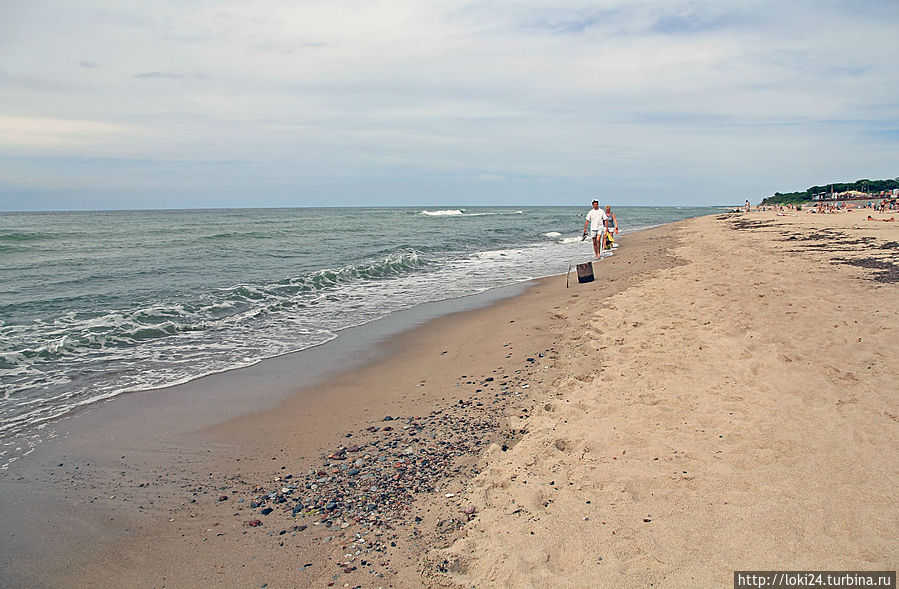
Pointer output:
x,y
365,491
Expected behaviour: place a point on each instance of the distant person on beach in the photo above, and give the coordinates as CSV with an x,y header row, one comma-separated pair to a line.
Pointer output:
x,y
596,222
611,223
747,206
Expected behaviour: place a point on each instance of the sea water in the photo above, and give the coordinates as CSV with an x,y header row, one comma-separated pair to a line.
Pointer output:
x,y
95,304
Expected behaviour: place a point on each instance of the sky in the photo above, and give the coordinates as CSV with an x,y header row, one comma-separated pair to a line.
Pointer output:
x,y
194,104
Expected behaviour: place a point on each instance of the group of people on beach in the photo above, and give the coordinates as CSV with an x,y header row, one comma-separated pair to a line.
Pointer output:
x,y
829,207
842,207
600,225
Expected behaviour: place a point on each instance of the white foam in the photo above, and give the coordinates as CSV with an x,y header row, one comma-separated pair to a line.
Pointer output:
x,y
444,213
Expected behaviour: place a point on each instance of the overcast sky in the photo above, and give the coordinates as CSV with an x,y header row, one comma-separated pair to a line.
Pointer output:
x,y
196,103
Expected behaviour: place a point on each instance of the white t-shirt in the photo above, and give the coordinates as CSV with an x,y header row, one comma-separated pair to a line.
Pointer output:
x,y
596,217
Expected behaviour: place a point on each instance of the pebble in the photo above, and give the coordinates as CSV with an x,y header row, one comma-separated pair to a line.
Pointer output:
x,y
372,483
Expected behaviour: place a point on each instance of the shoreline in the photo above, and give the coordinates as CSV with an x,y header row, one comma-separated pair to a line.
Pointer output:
x,y
216,324
371,332
88,445
105,439
359,341
552,346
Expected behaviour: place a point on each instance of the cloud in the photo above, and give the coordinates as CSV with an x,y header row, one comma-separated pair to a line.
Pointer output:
x,y
35,132
688,94
167,75
889,135
686,24
564,22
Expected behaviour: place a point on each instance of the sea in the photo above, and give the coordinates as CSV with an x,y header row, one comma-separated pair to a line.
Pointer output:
x,y
94,304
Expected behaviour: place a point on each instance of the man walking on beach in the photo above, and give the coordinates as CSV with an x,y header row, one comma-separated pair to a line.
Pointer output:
x,y
596,219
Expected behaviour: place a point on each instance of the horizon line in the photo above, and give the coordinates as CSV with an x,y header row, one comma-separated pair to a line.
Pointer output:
x,y
275,208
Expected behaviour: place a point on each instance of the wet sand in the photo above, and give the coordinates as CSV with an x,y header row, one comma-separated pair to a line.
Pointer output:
x,y
713,381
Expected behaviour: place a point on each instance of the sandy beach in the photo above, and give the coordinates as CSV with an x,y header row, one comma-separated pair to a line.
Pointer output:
x,y
722,397
735,412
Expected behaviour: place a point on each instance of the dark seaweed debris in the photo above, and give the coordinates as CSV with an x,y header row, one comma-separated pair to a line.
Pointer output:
x,y
743,224
889,271
822,235
830,240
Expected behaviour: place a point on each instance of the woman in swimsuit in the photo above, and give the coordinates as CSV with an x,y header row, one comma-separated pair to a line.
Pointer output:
x,y
611,223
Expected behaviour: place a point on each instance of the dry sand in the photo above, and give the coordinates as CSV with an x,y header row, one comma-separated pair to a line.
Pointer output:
x,y
736,412
723,397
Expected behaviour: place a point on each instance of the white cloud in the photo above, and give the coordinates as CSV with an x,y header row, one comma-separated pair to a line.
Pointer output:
x,y
42,133
689,94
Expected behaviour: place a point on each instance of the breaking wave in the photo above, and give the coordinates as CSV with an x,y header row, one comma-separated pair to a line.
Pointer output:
x,y
444,213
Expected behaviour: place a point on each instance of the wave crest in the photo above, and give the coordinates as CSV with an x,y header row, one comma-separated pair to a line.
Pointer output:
x,y
25,236
444,213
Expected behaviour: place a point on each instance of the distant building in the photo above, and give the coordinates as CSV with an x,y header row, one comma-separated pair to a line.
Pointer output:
x,y
852,194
